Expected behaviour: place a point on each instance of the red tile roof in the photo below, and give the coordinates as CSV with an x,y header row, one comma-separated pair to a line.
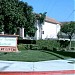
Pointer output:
x,y
51,20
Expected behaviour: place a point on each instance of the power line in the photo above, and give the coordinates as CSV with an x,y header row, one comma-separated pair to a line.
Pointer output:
x,y
53,5
70,14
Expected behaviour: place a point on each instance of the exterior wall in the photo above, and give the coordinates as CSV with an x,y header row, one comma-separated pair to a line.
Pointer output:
x,y
50,30
37,32
22,32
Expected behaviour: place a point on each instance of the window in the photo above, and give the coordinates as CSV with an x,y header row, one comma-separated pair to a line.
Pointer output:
x,y
42,32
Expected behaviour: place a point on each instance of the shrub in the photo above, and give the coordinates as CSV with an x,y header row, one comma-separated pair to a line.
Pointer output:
x,y
72,46
44,48
34,47
23,47
47,44
40,45
73,43
63,43
54,49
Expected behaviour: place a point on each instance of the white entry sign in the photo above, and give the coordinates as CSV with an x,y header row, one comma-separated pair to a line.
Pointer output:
x,y
8,41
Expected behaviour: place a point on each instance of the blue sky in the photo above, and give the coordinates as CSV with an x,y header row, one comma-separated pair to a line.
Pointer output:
x,y
61,10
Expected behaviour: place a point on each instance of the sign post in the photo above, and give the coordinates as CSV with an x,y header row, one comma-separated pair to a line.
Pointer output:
x,y
8,43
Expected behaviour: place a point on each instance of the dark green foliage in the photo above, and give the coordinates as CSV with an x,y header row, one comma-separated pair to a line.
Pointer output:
x,y
23,47
9,13
48,44
67,54
34,47
54,49
64,43
16,14
69,30
73,44
23,41
42,45
20,38
41,17
52,45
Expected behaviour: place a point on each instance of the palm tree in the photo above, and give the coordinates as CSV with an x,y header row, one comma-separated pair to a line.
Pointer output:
x,y
41,19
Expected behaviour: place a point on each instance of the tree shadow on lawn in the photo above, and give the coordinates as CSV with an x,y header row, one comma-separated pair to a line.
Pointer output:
x,y
53,53
66,53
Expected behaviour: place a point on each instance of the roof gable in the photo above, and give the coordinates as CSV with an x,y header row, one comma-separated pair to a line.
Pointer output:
x,y
51,20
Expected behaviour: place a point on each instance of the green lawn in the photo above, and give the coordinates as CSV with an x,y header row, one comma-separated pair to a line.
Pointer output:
x,y
30,55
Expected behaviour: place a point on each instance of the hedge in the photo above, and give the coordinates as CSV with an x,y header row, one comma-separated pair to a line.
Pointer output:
x,y
48,44
40,45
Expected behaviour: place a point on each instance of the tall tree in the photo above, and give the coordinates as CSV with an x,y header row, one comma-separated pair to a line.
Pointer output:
x,y
15,13
30,23
69,29
8,13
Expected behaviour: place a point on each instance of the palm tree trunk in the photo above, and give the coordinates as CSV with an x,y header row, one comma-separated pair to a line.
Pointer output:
x,y
40,32
70,45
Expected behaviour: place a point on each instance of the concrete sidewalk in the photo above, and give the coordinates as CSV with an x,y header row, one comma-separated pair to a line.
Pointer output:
x,y
52,65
